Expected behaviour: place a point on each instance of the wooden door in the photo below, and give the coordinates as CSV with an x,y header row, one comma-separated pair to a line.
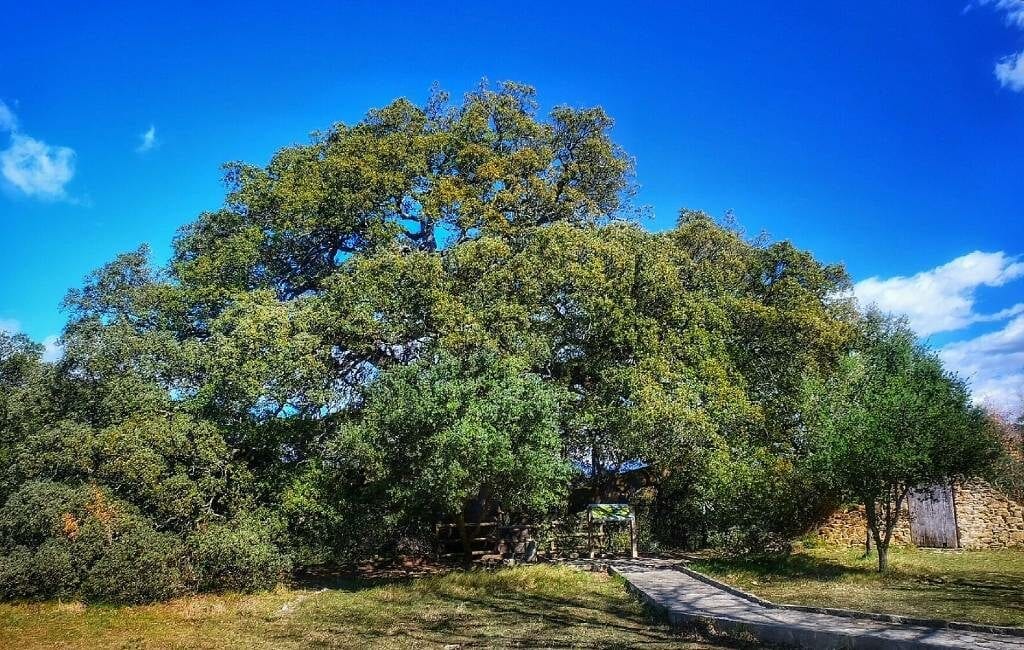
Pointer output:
x,y
933,517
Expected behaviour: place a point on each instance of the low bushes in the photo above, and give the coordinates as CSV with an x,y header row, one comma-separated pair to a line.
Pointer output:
x,y
240,555
138,565
80,542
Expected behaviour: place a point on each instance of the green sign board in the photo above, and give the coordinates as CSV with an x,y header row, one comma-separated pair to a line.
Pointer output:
x,y
609,511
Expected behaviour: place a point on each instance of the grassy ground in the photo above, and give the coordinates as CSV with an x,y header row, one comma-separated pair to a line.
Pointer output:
x,y
978,586
538,606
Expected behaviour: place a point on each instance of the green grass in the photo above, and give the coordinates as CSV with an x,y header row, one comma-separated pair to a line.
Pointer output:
x,y
977,586
537,606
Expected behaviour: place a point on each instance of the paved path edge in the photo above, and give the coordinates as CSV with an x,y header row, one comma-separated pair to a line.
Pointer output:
x,y
773,634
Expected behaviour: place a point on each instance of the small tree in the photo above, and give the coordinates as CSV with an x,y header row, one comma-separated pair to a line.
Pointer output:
x,y
890,420
1008,474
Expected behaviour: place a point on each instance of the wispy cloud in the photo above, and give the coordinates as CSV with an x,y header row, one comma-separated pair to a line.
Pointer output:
x,y
943,299
31,166
148,140
1013,10
1009,70
8,120
994,364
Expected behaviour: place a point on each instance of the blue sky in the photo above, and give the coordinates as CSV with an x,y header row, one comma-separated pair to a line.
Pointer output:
x,y
885,135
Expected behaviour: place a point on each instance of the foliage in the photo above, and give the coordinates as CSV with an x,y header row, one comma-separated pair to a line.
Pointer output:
x,y
742,500
452,431
68,541
1008,470
138,565
443,435
240,555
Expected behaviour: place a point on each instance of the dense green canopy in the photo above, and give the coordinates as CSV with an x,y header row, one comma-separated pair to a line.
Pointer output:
x,y
440,308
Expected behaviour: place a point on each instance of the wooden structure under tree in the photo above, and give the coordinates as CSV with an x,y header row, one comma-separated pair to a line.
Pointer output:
x,y
593,528
603,514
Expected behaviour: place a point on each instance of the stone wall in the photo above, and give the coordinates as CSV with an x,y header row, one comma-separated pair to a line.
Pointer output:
x,y
985,518
847,526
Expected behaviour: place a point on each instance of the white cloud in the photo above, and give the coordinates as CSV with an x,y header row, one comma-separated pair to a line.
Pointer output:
x,y
994,364
1009,70
31,166
52,349
942,299
9,325
8,120
148,140
37,169
1013,10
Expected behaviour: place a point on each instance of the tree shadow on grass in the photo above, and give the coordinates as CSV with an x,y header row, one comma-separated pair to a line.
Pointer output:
x,y
797,566
485,617
357,578
987,603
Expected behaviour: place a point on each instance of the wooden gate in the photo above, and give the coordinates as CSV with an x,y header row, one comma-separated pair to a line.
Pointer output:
x,y
933,517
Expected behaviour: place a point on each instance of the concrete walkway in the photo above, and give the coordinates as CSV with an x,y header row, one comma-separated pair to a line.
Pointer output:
x,y
687,600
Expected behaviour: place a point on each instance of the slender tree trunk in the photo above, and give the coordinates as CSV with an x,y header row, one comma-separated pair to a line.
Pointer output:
x,y
881,542
467,545
882,520
867,542
893,505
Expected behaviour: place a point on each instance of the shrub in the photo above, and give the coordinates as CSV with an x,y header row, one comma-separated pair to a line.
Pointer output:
x,y
239,555
56,569
140,565
41,544
35,512
58,541
16,574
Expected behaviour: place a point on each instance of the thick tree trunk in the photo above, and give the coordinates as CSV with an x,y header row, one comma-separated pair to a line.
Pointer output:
x,y
883,558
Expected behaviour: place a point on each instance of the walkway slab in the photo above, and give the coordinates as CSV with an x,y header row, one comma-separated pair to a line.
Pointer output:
x,y
687,601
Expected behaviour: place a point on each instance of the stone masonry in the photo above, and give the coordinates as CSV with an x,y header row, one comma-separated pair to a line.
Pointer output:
x,y
985,518
847,526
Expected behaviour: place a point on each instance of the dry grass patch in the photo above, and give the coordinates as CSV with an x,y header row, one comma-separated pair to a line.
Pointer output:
x,y
537,606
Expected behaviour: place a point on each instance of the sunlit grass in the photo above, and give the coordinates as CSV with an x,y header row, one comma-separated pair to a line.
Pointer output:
x,y
977,586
